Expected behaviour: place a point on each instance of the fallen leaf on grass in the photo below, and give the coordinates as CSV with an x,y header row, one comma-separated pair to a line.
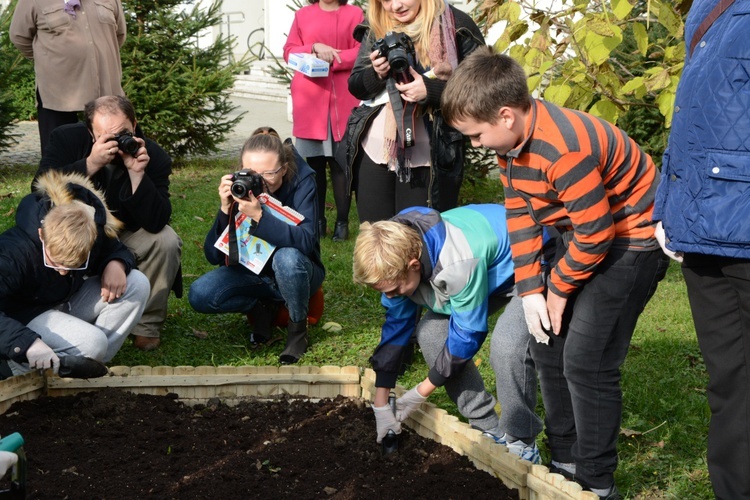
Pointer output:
x,y
332,327
629,432
200,334
196,217
9,212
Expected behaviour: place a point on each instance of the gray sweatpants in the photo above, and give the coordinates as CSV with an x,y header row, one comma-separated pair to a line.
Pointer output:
x,y
514,372
87,326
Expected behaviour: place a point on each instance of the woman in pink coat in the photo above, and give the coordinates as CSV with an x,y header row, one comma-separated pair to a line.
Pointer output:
x,y
321,105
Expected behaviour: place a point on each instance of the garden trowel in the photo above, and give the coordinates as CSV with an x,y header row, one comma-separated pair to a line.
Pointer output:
x,y
390,441
81,367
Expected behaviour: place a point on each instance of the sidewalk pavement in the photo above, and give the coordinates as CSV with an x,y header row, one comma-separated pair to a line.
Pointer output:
x,y
257,113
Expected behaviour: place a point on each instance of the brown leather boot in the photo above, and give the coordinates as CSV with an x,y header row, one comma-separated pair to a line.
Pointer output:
x,y
296,342
146,343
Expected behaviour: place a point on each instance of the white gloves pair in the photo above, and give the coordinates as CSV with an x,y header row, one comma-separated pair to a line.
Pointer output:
x,y
662,239
386,420
537,317
40,356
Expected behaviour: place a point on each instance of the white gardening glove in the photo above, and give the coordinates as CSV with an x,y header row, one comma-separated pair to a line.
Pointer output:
x,y
385,421
7,460
662,239
406,404
537,317
40,356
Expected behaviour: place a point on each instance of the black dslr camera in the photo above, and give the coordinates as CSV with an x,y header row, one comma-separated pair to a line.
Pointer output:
x,y
246,181
397,48
127,143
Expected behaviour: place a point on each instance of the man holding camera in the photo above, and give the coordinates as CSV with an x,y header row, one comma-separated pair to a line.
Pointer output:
x,y
134,174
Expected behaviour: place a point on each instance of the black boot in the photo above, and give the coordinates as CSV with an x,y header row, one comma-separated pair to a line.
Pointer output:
x,y
263,313
296,342
341,231
322,227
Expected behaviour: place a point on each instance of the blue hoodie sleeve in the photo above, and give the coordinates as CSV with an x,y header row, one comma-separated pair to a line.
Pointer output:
x,y
400,321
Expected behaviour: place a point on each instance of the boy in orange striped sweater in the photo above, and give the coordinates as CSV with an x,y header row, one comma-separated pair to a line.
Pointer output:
x,y
590,184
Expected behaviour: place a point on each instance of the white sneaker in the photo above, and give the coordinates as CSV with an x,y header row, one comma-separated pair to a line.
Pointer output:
x,y
528,452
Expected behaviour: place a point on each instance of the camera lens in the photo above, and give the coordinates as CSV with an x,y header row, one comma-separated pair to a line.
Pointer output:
x,y
398,60
127,144
239,190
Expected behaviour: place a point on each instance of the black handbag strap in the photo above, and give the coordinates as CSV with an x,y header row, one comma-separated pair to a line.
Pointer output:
x,y
708,21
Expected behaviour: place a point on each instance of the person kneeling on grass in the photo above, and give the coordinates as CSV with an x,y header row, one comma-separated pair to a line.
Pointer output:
x,y
68,286
294,271
458,265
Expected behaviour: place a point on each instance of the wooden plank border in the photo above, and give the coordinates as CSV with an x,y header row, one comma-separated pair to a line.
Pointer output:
x,y
231,384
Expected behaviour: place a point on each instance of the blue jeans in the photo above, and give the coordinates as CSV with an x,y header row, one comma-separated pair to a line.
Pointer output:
x,y
579,370
237,289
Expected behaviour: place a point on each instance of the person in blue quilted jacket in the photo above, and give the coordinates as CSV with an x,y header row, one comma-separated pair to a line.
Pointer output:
x,y
703,214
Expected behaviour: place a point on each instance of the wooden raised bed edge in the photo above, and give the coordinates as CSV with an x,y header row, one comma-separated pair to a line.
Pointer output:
x,y
231,384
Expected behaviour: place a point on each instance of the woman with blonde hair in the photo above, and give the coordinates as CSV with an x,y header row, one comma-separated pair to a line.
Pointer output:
x,y
399,152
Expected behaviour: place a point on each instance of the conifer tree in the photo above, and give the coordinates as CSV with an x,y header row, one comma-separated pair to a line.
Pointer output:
x,y
180,88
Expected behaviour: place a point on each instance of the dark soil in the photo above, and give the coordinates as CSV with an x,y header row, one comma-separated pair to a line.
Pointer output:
x,y
113,444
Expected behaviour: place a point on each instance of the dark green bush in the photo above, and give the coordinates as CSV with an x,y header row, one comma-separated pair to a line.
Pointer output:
x,y
181,90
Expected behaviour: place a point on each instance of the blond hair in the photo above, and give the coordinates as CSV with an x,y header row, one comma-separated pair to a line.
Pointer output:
x,y
69,232
383,251
419,29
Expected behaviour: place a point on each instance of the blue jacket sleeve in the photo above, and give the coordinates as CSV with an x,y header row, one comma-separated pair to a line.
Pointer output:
x,y
400,321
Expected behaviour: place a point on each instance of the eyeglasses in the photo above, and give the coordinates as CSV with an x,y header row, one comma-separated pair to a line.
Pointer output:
x,y
270,175
47,262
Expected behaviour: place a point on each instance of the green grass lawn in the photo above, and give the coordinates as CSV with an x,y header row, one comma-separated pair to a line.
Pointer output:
x,y
665,417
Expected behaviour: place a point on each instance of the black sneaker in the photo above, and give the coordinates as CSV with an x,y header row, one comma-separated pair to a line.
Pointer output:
x,y
564,473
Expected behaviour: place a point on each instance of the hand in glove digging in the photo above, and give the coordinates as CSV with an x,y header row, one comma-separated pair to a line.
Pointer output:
x,y
385,421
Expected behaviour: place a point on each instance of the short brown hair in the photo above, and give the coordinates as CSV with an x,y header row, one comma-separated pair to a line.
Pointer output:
x,y
483,83
383,251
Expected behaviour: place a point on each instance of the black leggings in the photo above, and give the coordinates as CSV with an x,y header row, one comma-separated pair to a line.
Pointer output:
x,y
341,193
380,195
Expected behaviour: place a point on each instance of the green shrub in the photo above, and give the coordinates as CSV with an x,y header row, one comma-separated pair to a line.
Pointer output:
x,y
179,88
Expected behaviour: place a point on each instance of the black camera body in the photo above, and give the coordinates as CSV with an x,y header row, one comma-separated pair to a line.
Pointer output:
x,y
127,143
397,48
246,181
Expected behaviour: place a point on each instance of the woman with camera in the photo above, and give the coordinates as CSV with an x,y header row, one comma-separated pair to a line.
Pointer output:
x,y
321,105
398,151
294,271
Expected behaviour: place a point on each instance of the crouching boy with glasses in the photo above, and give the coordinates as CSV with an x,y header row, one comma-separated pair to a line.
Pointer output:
x,y
68,286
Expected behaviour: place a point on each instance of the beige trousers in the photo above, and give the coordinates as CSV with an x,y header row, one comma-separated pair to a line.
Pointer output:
x,y
158,256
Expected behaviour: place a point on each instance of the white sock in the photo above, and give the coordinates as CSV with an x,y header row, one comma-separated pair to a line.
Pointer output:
x,y
566,466
602,492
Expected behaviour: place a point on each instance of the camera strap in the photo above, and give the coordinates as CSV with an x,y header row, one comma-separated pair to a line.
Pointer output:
x,y
404,112
234,253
